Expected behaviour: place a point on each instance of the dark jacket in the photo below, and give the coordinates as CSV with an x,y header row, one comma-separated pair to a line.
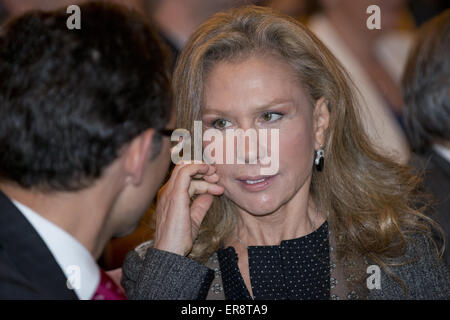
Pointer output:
x,y
27,268
436,181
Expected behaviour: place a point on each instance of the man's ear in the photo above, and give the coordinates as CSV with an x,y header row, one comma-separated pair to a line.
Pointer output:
x,y
137,156
321,122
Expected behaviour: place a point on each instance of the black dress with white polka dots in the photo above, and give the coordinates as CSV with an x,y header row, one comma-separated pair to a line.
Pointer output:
x,y
297,269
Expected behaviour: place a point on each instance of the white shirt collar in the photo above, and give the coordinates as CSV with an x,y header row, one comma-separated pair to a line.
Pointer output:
x,y
73,258
444,152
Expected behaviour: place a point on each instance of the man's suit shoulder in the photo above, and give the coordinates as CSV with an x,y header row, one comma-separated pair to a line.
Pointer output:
x,y
13,285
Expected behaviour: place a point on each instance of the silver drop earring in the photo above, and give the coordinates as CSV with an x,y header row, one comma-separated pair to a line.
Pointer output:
x,y
319,160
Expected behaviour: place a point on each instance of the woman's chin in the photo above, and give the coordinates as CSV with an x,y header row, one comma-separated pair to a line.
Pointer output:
x,y
258,208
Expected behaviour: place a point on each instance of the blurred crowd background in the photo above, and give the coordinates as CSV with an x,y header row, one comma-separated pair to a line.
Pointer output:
x,y
374,58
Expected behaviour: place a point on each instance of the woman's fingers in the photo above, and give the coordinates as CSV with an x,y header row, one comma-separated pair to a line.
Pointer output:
x,y
179,219
193,171
201,187
199,208
211,171
185,175
161,191
181,181
183,164
212,178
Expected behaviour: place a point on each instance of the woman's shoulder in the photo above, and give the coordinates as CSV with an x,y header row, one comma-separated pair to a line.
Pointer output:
x,y
421,270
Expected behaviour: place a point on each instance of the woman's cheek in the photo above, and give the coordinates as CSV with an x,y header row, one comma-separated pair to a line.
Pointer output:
x,y
296,147
225,173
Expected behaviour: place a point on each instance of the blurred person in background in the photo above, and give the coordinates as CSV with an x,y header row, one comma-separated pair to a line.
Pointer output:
x,y
426,90
294,8
423,10
177,19
18,7
3,12
374,59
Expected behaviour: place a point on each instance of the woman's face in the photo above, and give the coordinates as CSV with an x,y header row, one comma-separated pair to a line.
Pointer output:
x,y
262,93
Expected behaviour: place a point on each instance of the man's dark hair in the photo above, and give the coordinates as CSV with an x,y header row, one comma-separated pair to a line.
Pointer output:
x,y
71,99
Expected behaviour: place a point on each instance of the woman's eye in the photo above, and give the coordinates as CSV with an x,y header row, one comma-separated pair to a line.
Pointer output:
x,y
271,116
221,124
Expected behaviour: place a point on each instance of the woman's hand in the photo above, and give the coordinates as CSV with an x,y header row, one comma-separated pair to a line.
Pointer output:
x,y
177,220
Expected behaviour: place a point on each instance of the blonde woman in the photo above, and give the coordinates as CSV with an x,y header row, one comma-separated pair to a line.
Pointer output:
x,y
334,213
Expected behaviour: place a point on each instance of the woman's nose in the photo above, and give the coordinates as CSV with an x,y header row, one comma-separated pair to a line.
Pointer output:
x,y
249,145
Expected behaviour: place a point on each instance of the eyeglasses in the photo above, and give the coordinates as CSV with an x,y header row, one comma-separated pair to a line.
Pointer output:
x,y
166,132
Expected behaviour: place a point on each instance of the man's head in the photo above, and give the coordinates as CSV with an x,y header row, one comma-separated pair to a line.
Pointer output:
x,y
79,105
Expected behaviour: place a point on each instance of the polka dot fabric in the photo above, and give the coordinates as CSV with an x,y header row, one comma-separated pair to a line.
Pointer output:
x,y
233,283
297,269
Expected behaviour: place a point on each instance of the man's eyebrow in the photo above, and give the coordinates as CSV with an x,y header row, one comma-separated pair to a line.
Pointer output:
x,y
273,104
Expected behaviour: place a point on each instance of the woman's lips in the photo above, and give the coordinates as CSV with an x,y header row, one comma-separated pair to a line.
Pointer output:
x,y
257,183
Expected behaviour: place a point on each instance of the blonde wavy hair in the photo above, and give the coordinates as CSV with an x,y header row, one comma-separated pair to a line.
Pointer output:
x,y
370,199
